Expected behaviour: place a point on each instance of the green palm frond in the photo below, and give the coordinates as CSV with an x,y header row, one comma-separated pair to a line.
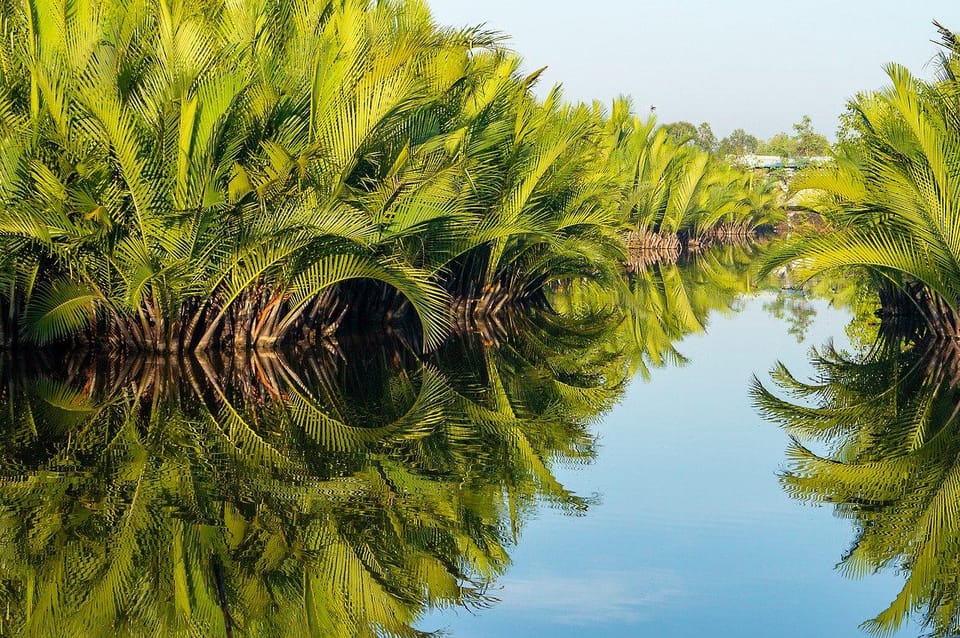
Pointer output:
x,y
58,310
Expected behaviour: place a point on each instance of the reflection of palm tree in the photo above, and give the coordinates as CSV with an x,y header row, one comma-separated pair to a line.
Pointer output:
x,y
661,304
890,422
196,495
253,499
668,302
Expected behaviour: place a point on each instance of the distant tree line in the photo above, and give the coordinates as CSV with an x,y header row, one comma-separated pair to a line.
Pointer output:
x,y
803,142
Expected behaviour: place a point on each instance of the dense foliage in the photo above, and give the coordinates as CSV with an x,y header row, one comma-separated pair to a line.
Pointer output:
x,y
805,142
180,175
892,200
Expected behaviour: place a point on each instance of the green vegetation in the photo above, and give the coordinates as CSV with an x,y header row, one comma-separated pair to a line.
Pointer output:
x,y
875,433
888,419
203,175
679,188
805,142
892,200
235,181
345,495
700,136
802,143
739,143
245,497
660,304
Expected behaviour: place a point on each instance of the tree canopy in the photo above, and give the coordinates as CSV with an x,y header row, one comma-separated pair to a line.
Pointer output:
x,y
201,175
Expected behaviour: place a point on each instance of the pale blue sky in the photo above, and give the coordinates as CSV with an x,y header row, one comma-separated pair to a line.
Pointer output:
x,y
742,63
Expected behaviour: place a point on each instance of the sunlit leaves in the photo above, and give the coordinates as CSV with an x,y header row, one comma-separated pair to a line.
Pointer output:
x,y
892,199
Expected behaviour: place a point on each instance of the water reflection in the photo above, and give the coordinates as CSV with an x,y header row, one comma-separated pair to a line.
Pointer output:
x,y
661,304
343,492
877,435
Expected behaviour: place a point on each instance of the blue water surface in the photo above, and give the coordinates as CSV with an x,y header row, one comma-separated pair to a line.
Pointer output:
x,y
693,535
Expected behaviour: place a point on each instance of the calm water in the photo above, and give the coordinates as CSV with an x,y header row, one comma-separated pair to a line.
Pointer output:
x,y
694,535
574,472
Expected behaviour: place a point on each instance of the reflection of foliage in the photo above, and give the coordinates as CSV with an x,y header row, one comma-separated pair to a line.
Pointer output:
x,y
851,290
794,307
341,497
669,302
889,420
208,497
664,303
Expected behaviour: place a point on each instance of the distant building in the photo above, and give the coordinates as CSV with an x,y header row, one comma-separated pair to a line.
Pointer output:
x,y
772,162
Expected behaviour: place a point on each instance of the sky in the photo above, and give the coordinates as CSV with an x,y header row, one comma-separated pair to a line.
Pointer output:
x,y
757,65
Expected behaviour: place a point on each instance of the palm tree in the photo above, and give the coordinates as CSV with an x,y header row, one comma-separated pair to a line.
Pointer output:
x,y
175,170
891,198
184,176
